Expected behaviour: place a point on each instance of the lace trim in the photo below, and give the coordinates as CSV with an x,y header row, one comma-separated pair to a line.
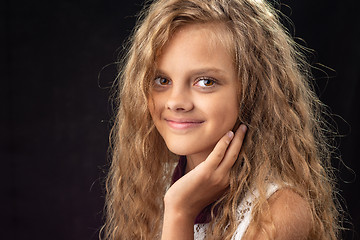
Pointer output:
x,y
243,211
243,215
200,231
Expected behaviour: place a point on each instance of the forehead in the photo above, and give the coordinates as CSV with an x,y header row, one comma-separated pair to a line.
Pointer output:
x,y
215,35
196,50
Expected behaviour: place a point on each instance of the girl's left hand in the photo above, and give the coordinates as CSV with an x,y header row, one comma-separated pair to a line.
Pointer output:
x,y
204,184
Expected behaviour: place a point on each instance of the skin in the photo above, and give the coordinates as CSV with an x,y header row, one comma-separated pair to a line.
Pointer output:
x,y
193,106
193,101
290,214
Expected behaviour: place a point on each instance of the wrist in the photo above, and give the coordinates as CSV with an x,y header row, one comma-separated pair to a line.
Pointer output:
x,y
179,213
177,225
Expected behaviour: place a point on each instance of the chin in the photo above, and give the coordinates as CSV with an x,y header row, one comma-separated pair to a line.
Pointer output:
x,y
178,150
189,149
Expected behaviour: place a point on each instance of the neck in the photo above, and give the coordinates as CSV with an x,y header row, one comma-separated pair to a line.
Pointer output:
x,y
195,159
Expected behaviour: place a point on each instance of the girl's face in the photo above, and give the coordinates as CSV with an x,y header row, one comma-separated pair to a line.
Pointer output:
x,y
193,99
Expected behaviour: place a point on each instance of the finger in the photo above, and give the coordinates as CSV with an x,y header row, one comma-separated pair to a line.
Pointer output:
x,y
217,154
233,150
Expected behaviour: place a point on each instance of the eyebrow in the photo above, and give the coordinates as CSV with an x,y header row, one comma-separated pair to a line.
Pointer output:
x,y
206,70
198,71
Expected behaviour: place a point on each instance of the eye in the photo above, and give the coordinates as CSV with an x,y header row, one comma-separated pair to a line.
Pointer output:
x,y
206,82
161,81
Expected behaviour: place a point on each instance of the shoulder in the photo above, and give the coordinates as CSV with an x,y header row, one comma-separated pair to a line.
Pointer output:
x,y
290,215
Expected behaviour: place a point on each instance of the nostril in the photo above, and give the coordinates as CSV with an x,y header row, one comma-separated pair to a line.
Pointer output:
x,y
175,107
180,109
179,105
179,101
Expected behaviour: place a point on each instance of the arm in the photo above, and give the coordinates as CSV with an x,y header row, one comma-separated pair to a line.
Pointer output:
x,y
198,188
177,225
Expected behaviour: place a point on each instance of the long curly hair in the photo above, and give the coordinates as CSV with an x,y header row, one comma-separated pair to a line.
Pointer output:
x,y
285,141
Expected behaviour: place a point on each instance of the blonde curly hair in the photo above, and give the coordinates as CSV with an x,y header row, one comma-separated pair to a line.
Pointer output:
x,y
285,141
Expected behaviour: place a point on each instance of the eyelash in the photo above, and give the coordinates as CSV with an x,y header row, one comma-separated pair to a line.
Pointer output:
x,y
212,80
163,81
157,81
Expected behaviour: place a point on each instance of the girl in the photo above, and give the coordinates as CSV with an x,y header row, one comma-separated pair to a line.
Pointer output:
x,y
219,87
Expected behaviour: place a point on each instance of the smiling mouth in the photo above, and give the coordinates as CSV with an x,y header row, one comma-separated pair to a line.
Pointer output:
x,y
183,124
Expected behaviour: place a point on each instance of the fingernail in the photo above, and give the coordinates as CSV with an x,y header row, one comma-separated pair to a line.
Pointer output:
x,y
243,127
230,134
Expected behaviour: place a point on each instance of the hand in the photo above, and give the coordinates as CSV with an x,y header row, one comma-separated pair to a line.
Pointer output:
x,y
206,182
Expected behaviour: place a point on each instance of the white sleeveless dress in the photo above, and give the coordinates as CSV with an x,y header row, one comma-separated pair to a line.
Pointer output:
x,y
243,215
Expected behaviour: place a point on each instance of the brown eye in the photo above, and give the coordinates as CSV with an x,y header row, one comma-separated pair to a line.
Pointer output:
x,y
205,82
162,81
208,82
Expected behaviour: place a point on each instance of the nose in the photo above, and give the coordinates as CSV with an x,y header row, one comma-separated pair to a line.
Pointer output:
x,y
180,100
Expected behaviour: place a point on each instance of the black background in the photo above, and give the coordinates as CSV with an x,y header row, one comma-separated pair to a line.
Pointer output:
x,y
55,114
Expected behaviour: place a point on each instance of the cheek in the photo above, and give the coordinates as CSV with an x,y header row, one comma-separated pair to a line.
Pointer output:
x,y
156,106
153,104
227,116
223,109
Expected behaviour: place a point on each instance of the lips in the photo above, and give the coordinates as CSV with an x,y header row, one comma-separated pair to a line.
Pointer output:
x,y
182,124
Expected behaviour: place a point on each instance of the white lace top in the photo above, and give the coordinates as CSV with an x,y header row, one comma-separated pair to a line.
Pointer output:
x,y
243,215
